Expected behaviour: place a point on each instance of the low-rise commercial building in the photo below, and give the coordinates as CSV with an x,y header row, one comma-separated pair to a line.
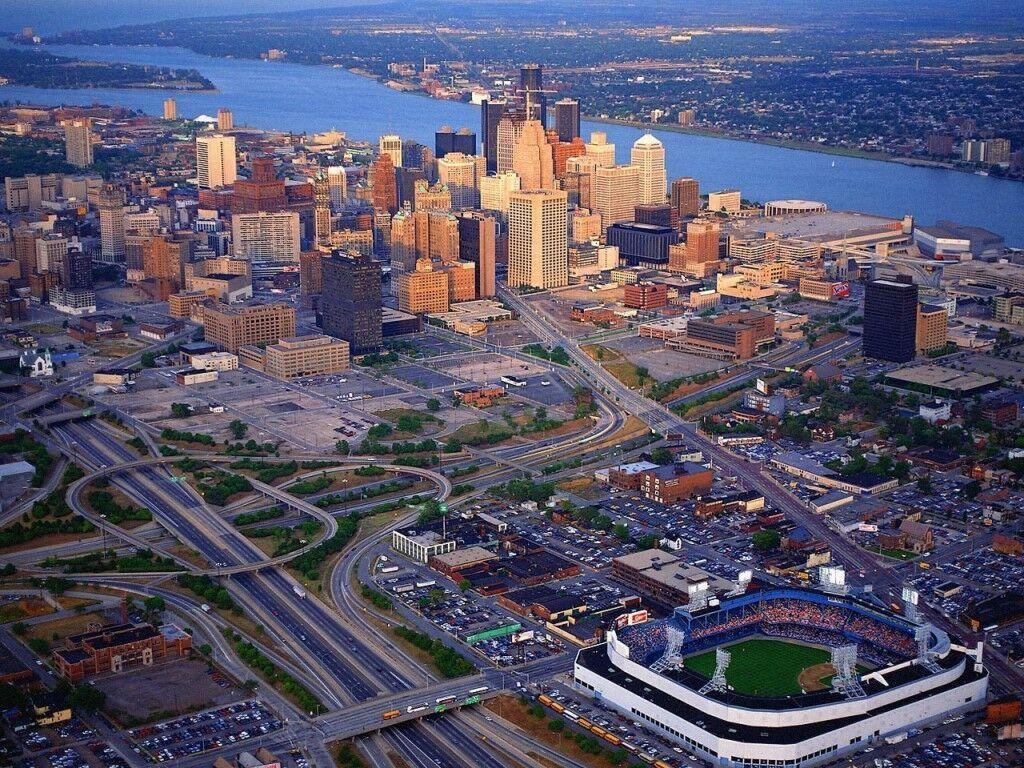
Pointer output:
x,y
118,648
310,355
670,484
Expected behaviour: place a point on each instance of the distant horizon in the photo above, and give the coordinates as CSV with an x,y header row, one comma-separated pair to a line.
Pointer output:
x,y
50,17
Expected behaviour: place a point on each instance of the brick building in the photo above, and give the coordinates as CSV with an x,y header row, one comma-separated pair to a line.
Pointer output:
x,y
117,648
667,485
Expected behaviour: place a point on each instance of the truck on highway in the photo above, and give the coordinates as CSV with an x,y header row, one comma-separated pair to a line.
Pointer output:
x,y
205,607
299,591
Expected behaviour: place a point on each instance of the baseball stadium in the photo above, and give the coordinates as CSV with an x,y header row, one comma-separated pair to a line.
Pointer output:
x,y
782,677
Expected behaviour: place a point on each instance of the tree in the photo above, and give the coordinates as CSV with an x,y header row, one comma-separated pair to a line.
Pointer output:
x,y
972,489
767,540
181,410
433,405
465,585
205,650
88,698
661,455
238,429
342,447
154,604
19,628
924,484
621,531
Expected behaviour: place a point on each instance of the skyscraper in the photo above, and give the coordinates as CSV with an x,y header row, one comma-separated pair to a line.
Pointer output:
x,y
460,173
350,307
510,128
686,197
531,85
532,159
616,193
338,184
648,155
111,210
446,141
216,165
270,240
170,109
890,320
538,239
391,144
477,234
321,208
383,184
78,142
491,112
494,191
262,191
225,119
567,119
601,149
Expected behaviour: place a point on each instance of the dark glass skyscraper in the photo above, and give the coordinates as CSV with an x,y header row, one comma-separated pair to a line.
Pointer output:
x,y
491,113
446,140
567,119
890,320
350,306
531,79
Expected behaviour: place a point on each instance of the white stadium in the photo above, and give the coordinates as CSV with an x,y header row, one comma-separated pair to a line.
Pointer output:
x,y
885,674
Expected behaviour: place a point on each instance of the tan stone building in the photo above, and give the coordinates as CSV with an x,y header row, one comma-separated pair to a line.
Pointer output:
x,y
423,290
233,327
310,355
931,328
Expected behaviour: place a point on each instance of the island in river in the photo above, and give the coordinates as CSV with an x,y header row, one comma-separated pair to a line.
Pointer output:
x,y
38,69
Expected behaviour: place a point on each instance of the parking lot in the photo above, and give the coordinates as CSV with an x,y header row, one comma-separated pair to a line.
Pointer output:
x,y
192,734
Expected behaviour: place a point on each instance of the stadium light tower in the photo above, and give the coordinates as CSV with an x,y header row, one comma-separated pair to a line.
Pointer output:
x,y
717,681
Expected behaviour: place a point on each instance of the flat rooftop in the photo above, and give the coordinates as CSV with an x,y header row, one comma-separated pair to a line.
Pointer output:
x,y
942,378
817,227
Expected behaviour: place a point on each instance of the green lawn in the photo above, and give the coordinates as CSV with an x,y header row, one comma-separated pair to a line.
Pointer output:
x,y
762,667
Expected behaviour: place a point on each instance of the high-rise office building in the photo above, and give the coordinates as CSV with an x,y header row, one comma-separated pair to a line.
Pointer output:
x,y
648,155
111,212
422,289
431,197
562,151
338,184
162,262
262,324
268,239
580,174
491,112
531,158
686,197
477,236
495,189
567,119
321,208
616,193
461,174
531,87
262,191
350,307
225,119
447,141
601,149
383,185
890,320
170,109
391,144
76,269
78,142
510,128
50,251
25,249
216,164
538,239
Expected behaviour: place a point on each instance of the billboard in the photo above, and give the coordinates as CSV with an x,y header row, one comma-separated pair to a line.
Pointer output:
x,y
841,290
867,527
832,575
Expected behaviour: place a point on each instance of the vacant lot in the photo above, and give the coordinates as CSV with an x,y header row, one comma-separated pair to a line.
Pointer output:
x,y
166,690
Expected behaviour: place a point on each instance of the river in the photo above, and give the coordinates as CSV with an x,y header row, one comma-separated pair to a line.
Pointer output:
x,y
295,97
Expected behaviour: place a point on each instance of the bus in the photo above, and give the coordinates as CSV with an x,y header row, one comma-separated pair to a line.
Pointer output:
x,y
481,689
570,715
543,699
390,715
513,381
444,699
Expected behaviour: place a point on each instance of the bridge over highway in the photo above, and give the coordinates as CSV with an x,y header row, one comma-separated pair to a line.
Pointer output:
x,y
74,492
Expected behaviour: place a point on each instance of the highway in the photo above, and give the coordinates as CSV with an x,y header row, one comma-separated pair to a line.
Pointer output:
x,y
343,664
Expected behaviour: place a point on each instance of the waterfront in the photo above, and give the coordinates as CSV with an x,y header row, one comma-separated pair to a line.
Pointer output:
x,y
303,99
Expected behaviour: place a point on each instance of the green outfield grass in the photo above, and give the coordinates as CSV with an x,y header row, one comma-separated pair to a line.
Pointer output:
x,y
762,667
